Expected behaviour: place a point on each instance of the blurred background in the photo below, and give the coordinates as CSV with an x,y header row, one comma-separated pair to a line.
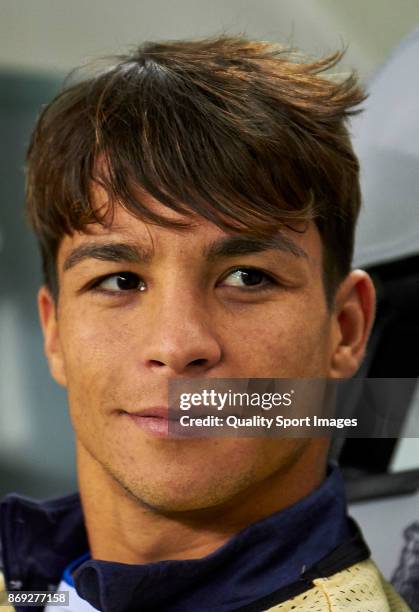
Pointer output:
x,y
40,41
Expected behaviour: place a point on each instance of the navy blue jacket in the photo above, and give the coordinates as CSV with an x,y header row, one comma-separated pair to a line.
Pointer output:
x,y
266,563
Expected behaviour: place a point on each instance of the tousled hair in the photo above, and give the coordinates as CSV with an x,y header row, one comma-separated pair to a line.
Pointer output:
x,y
246,134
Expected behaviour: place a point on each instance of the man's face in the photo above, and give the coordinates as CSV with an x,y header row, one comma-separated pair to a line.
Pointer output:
x,y
178,312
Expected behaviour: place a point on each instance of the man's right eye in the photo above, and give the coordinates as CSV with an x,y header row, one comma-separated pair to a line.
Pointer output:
x,y
120,282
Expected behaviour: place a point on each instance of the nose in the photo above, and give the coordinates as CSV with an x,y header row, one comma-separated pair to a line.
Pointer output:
x,y
180,339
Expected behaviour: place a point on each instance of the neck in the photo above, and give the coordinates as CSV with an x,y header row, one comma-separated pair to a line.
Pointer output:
x,y
122,529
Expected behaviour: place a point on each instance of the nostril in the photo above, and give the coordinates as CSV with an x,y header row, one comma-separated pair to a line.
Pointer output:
x,y
198,362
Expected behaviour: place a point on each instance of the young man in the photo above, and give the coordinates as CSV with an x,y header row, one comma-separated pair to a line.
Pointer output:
x,y
195,204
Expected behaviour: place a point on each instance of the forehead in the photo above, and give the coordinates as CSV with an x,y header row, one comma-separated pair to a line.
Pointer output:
x,y
198,232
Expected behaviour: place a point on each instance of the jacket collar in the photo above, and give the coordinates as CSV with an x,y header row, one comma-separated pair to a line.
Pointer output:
x,y
41,538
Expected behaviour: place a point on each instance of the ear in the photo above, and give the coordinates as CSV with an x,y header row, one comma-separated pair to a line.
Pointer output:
x,y
47,308
353,313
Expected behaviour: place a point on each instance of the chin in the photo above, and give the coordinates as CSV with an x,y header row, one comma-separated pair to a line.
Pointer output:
x,y
167,501
165,494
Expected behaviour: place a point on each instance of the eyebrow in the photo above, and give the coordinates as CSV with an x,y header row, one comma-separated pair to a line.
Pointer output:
x,y
112,251
228,246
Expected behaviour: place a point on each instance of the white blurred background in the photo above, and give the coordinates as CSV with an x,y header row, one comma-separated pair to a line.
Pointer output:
x,y
56,35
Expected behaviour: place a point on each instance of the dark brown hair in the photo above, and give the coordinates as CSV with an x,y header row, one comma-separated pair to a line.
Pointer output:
x,y
247,134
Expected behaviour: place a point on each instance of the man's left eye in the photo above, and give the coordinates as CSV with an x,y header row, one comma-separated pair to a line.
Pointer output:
x,y
123,281
249,277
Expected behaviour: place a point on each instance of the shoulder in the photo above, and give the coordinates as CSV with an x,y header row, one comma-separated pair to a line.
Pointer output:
x,y
361,582
3,594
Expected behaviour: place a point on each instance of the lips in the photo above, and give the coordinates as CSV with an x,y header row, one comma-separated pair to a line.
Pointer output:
x,y
158,412
154,421
159,422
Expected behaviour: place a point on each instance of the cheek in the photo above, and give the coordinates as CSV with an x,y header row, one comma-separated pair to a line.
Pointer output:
x,y
93,353
282,342
92,339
